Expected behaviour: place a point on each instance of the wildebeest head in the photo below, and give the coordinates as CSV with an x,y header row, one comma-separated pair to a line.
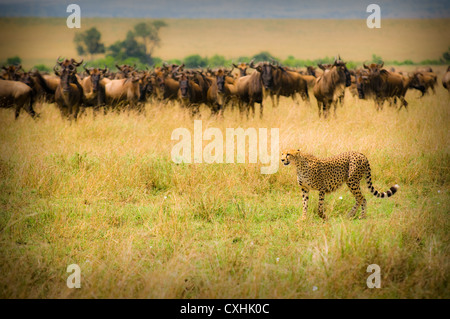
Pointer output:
x,y
362,82
12,72
310,70
27,79
242,67
68,64
96,75
267,73
125,70
65,74
374,68
184,86
220,80
343,71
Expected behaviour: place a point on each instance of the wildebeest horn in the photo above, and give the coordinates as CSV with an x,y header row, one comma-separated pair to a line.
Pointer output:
x,y
382,63
76,63
57,60
56,71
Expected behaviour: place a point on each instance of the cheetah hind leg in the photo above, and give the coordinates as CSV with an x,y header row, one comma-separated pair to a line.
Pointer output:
x,y
360,201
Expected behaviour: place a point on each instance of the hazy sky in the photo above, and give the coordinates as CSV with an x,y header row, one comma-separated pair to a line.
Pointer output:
x,y
294,9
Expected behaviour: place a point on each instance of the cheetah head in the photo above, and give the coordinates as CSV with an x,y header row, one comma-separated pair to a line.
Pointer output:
x,y
286,156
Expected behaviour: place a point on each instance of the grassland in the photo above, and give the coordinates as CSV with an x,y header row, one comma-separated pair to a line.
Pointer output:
x,y
40,41
104,193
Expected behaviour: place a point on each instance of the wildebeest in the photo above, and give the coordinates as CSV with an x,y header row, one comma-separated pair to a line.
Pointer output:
x,y
166,87
249,92
221,91
11,72
424,69
69,93
446,80
190,94
423,81
124,71
278,81
385,85
17,95
94,88
242,67
122,91
329,86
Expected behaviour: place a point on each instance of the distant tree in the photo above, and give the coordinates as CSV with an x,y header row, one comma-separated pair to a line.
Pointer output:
x,y
376,59
217,61
129,48
14,60
263,56
446,56
195,61
42,68
88,42
149,33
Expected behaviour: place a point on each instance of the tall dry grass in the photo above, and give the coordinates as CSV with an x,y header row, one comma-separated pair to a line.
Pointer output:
x,y
104,193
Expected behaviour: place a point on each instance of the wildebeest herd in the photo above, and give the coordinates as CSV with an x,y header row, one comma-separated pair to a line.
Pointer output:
x,y
130,88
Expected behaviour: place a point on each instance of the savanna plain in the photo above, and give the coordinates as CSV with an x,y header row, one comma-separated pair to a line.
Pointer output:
x,y
104,193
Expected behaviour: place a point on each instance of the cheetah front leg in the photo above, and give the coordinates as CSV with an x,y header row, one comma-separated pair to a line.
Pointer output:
x,y
305,197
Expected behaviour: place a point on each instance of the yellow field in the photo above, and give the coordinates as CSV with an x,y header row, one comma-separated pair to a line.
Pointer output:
x,y
104,194
38,40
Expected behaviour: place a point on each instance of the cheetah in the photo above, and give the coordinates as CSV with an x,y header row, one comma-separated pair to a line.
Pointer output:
x,y
327,175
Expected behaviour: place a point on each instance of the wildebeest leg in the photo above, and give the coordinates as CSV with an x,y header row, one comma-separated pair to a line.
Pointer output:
x,y
335,107
82,111
17,111
252,106
295,99
261,108
30,110
404,103
76,110
305,96
326,108
319,106
272,98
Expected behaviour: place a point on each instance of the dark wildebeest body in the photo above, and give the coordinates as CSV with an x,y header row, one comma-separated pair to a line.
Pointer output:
x,y
17,95
423,81
385,85
249,92
330,85
190,94
446,80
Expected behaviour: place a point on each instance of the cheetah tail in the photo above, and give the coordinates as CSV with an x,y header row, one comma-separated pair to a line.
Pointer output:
x,y
376,193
